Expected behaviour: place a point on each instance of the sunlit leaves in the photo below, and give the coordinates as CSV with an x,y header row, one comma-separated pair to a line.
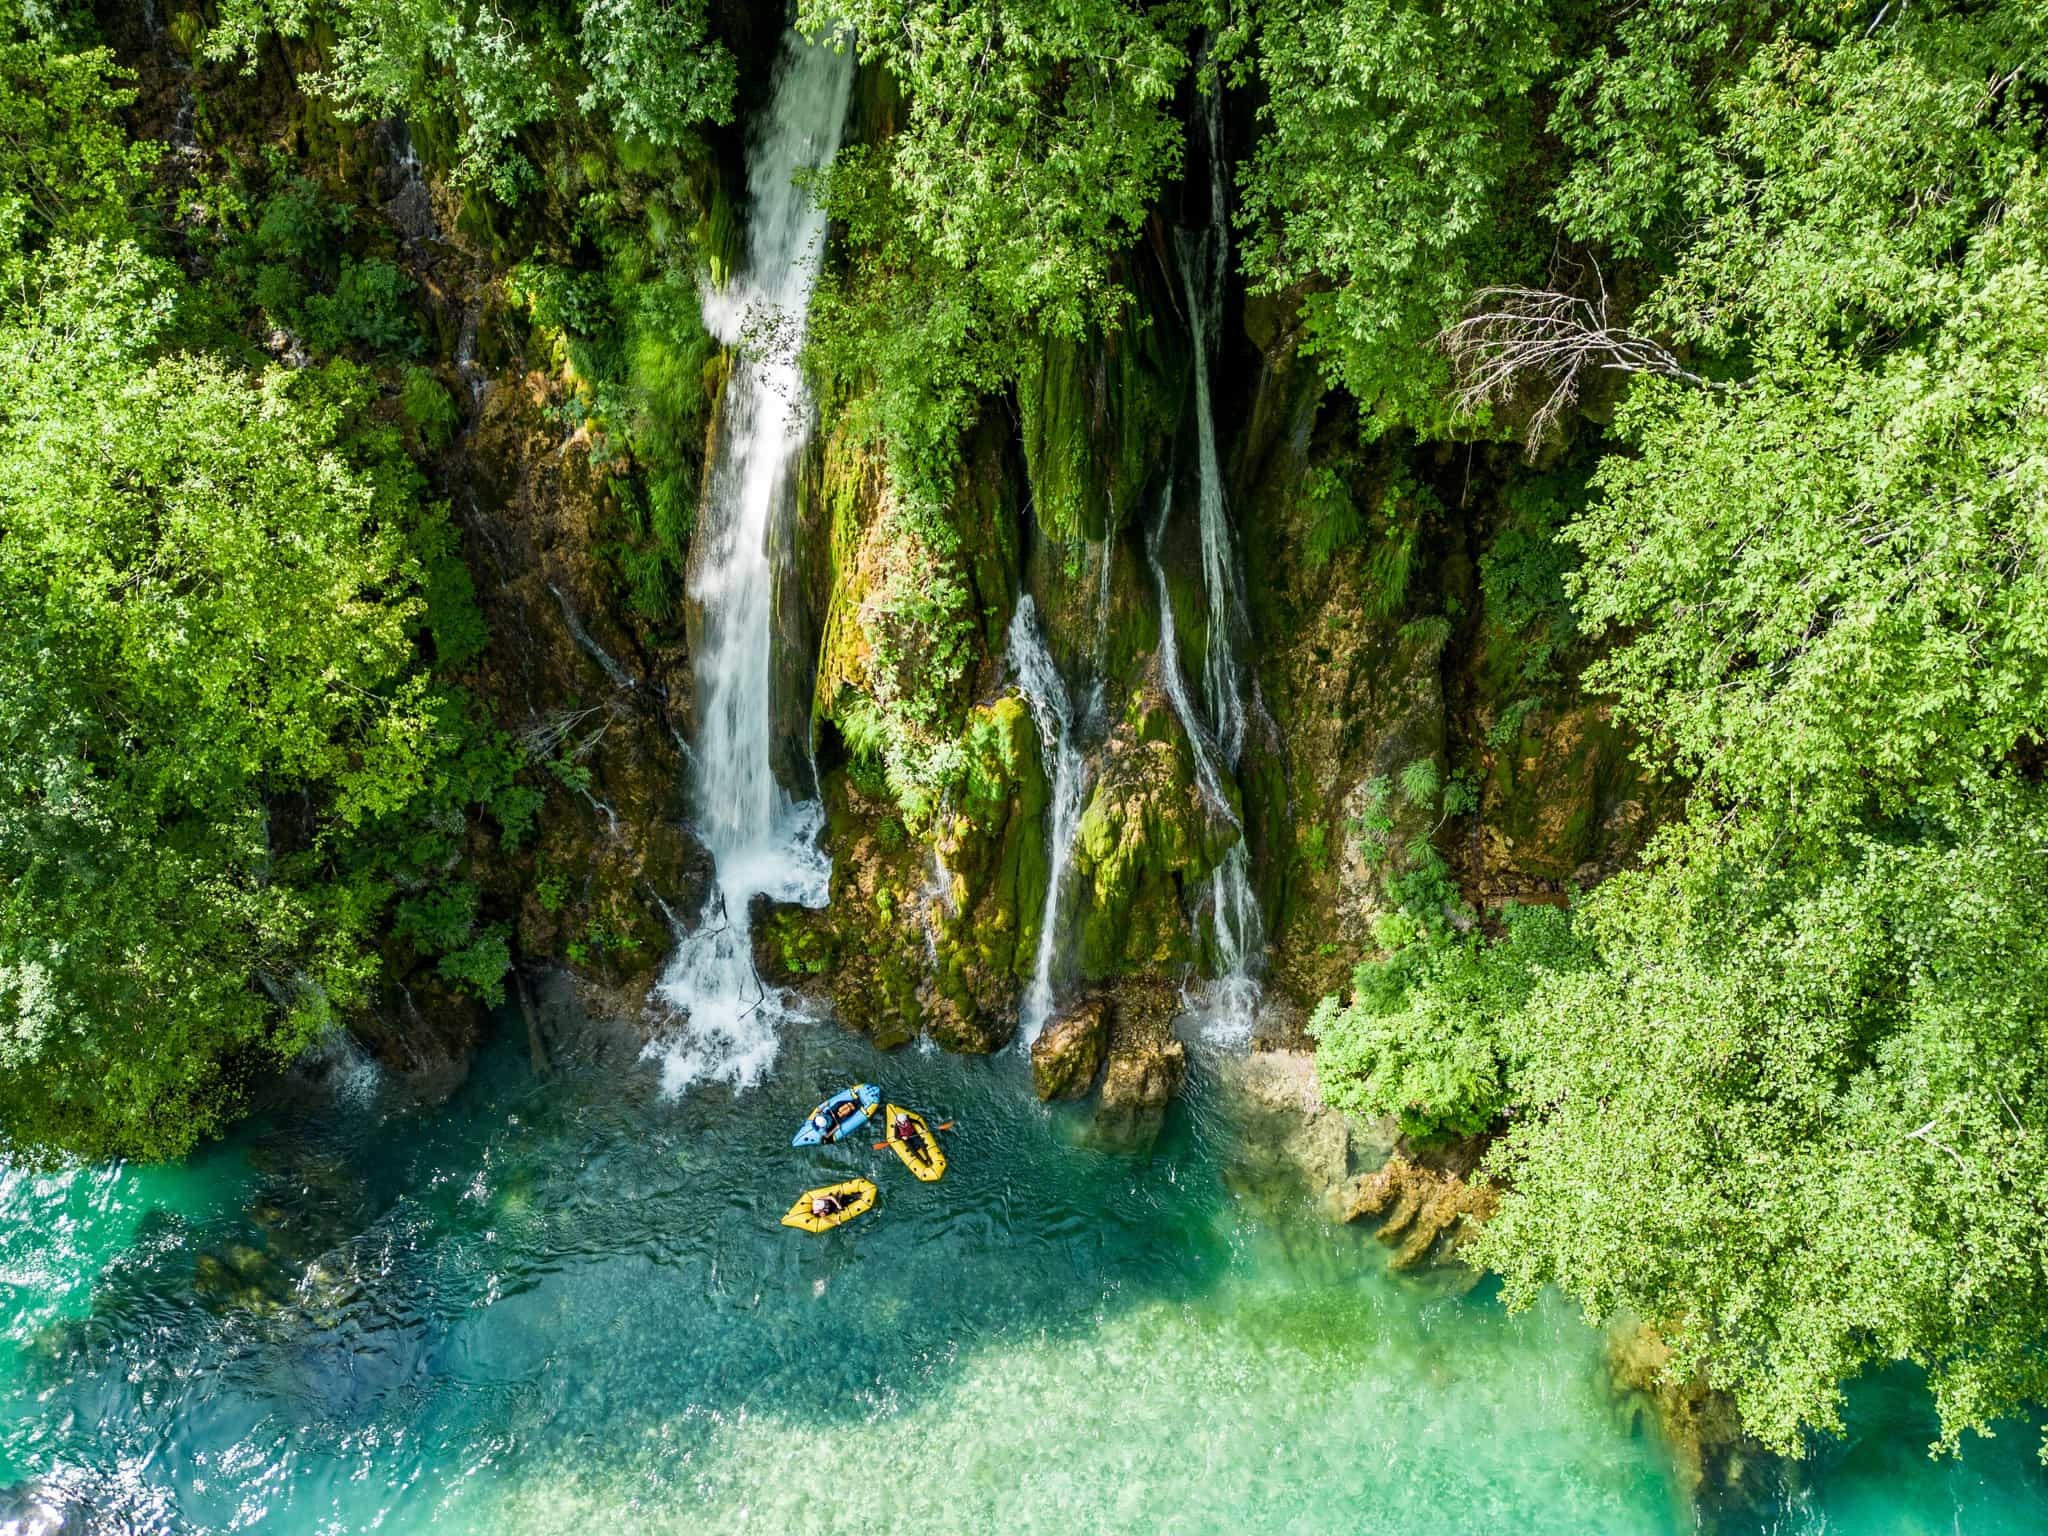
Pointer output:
x,y
206,677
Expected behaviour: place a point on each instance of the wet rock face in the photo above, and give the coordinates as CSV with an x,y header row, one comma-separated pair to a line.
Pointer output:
x,y
1066,1057
1144,839
567,1019
582,682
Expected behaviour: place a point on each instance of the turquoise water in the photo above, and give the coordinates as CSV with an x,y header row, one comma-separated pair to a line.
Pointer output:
x,y
567,1305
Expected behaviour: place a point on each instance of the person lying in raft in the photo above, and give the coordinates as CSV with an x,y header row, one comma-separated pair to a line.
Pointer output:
x,y
829,1123
905,1131
827,1205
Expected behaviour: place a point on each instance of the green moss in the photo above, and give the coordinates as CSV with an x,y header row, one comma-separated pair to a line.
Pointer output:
x,y
1143,839
1096,413
803,946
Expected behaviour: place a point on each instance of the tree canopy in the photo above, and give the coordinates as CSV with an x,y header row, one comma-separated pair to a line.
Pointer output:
x,y
1782,1091
229,777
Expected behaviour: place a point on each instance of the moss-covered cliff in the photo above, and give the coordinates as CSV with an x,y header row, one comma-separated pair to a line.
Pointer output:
x,y
1413,658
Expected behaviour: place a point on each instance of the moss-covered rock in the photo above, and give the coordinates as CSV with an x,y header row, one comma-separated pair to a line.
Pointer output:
x,y
1424,1214
932,932
990,867
1097,413
1144,838
1713,1459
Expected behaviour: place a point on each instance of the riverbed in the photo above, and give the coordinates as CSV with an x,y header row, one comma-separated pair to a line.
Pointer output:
x,y
565,1303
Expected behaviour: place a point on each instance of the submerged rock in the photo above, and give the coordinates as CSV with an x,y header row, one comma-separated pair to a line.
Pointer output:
x,y
1714,1459
1066,1057
1286,1122
1425,1214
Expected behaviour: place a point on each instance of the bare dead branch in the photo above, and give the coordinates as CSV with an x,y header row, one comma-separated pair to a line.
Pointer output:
x,y
1511,336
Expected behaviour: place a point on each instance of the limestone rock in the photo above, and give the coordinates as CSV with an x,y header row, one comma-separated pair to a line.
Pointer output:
x,y
1285,1119
1066,1057
1701,1426
1143,838
1146,1065
1422,1212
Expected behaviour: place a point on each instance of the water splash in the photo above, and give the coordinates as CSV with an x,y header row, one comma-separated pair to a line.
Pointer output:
x,y
1045,694
761,839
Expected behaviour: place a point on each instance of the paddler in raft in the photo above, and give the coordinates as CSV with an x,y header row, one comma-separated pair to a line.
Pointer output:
x,y
905,1131
827,1205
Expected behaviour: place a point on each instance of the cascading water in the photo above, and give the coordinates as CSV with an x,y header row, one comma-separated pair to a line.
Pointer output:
x,y
762,840
1218,743
1045,694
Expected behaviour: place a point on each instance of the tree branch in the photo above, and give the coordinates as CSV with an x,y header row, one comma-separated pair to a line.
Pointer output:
x,y
1513,335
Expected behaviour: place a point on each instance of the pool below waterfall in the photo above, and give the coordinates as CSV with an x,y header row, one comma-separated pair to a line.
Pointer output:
x,y
564,1303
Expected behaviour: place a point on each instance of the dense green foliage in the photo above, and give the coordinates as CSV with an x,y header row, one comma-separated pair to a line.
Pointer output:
x,y
1039,132
599,106
1781,1092
233,792
494,70
1777,1091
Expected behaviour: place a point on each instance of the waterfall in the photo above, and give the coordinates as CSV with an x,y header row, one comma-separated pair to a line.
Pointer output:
x,y
1203,257
1053,713
763,841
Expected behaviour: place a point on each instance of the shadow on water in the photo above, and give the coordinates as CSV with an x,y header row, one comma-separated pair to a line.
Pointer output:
x,y
567,1303
542,1257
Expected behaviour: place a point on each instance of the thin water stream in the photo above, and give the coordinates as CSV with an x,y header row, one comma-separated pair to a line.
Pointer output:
x,y
567,1305
1216,734
1052,711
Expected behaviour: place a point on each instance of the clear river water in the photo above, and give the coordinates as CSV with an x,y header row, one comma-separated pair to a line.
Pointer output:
x,y
566,1305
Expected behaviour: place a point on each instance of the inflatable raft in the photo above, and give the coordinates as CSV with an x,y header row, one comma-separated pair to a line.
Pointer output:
x,y
855,1197
929,1163
843,1112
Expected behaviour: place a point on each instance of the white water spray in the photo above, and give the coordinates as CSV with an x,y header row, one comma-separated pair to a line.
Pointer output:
x,y
762,841
1053,713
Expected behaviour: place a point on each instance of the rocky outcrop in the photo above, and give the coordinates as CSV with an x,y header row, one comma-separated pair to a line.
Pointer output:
x,y
1714,1460
1425,1214
1146,1065
586,691
1144,839
932,930
1068,1053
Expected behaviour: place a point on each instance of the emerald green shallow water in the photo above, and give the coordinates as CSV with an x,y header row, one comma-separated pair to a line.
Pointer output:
x,y
566,1305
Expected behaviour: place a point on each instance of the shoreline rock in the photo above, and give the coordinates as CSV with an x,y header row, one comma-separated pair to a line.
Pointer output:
x,y
1713,1459
1425,1214
1068,1055
1146,1065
